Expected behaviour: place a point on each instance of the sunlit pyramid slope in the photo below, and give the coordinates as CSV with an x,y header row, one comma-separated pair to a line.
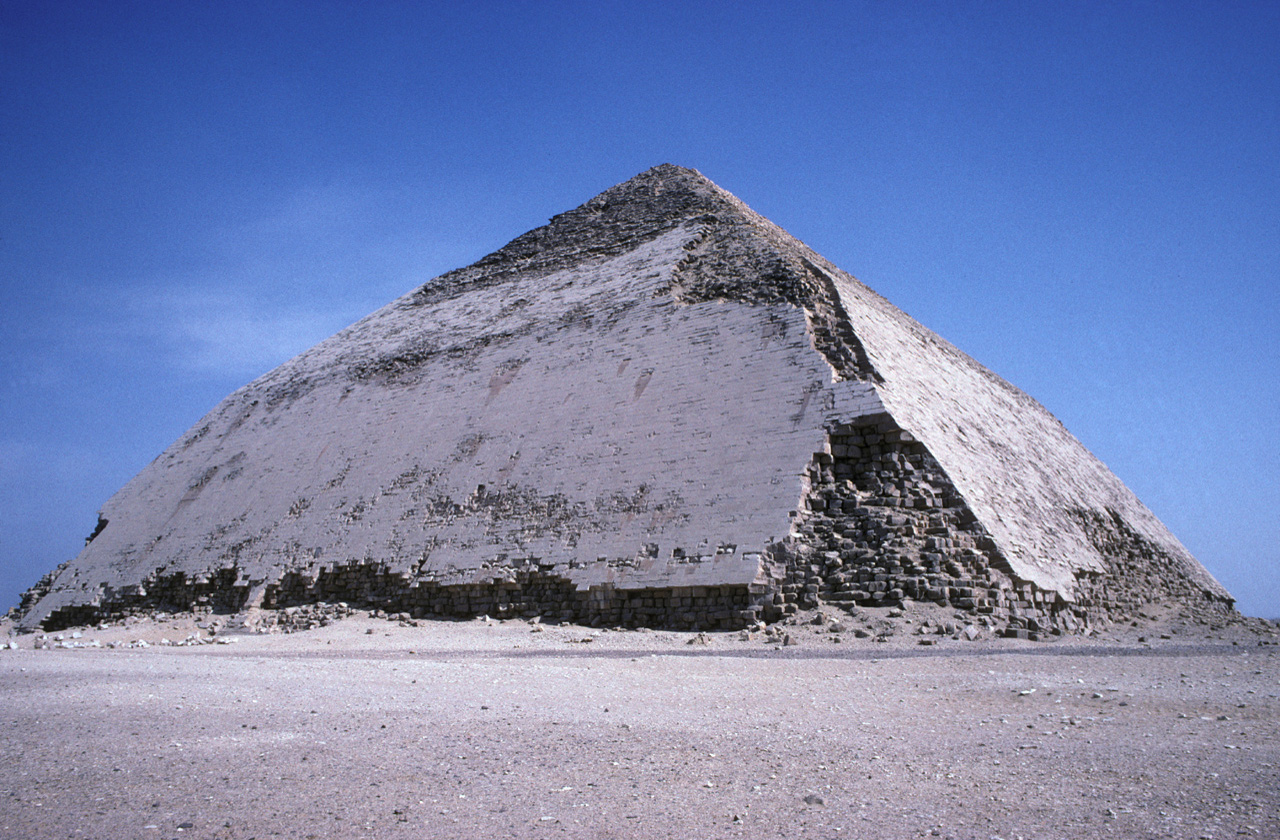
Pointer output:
x,y
658,409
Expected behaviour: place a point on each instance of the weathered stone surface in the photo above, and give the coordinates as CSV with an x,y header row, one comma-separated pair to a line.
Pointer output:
x,y
659,409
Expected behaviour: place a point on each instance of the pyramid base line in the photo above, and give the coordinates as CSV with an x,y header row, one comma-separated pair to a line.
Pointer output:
x,y
298,602
372,586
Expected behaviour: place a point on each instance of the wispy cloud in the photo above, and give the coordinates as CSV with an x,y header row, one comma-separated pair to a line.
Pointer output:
x,y
289,271
284,276
228,334
312,211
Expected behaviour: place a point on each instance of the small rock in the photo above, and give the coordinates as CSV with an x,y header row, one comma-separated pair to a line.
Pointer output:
x,y
814,799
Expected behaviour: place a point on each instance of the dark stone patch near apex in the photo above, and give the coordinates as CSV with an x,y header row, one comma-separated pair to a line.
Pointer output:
x,y
615,221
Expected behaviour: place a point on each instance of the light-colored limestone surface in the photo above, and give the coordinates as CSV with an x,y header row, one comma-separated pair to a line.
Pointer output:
x,y
600,417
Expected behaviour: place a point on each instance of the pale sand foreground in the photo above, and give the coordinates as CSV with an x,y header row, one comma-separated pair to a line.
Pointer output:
x,y
494,730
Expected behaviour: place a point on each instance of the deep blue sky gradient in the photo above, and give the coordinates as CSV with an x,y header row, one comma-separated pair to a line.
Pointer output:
x,y
1084,197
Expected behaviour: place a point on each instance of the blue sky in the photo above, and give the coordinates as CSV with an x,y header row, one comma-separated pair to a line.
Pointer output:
x,y
1084,197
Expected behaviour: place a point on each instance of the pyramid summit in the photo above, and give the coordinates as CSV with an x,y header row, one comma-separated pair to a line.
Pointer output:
x,y
659,409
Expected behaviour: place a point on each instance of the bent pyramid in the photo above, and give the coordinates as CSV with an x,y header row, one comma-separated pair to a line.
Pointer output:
x,y
658,409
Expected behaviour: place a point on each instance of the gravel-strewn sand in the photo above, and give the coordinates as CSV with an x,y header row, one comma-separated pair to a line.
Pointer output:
x,y
368,728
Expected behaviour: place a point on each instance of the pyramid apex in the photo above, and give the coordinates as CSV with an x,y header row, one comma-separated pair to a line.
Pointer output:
x,y
666,177
665,192
637,210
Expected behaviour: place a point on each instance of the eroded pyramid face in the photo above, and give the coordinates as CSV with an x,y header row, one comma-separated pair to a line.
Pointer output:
x,y
658,409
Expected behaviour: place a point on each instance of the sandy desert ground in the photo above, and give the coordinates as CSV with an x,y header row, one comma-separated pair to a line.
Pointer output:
x,y
379,729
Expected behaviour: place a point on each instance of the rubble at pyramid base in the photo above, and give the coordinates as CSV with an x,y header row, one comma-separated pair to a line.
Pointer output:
x,y
812,580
